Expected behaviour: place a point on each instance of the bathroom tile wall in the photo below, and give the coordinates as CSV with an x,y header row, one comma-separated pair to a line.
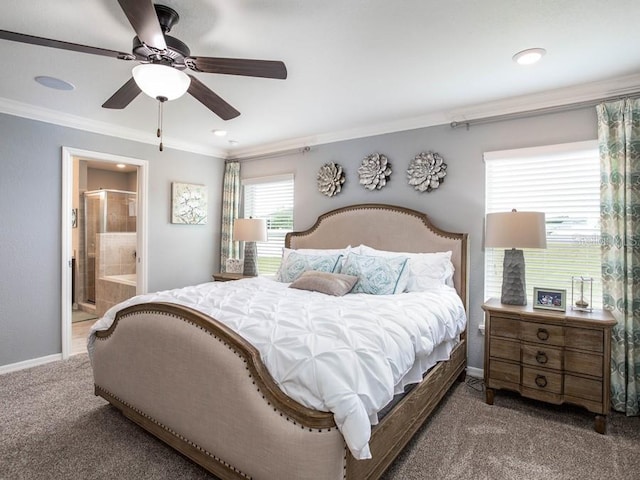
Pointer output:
x,y
115,255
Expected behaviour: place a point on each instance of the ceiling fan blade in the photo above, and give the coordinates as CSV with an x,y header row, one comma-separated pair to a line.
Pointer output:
x,y
74,47
144,20
124,96
209,99
238,66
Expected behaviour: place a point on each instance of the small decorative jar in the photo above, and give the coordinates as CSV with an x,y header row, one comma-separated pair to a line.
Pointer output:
x,y
234,265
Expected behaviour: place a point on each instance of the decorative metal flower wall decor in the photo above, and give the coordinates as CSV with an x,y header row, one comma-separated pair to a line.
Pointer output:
x,y
330,179
426,171
374,171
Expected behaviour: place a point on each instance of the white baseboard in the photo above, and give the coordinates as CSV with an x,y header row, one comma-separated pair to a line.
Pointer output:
x,y
34,362
475,372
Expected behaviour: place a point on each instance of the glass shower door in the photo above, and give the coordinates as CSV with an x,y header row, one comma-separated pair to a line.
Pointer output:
x,y
93,226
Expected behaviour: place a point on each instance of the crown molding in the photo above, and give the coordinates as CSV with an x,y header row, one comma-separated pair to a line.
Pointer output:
x,y
560,97
525,104
557,98
344,135
19,109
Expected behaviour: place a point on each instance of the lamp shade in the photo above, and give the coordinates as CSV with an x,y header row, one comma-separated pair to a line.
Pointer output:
x,y
515,230
161,81
250,230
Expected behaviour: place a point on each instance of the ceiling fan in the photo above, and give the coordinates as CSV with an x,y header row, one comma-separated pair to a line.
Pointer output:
x,y
161,54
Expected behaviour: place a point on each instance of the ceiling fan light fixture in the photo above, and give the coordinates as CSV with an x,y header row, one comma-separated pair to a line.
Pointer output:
x,y
161,81
529,56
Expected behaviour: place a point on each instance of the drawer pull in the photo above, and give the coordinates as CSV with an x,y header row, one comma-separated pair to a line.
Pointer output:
x,y
543,334
541,381
542,358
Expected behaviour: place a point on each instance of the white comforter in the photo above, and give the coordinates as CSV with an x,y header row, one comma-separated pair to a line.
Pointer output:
x,y
347,355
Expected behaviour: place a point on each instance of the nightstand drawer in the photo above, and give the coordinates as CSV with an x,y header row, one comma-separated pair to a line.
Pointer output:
x,y
506,349
542,356
504,372
586,363
541,380
554,357
583,388
584,339
543,333
505,327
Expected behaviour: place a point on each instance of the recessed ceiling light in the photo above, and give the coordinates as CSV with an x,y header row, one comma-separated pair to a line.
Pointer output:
x,y
55,83
121,165
529,56
220,133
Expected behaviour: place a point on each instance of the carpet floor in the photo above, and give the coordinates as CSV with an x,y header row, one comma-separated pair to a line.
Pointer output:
x,y
53,427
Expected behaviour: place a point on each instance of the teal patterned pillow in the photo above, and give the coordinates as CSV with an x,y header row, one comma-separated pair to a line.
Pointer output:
x,y
296,264
377,275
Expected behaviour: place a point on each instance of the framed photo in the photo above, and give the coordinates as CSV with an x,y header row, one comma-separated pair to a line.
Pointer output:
x,y
188,204
550,298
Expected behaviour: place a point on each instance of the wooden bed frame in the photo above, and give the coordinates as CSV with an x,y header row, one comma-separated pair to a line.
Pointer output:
x,y
201,388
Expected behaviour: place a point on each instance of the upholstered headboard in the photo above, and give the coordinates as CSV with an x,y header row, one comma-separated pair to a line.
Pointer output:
x,y
385,227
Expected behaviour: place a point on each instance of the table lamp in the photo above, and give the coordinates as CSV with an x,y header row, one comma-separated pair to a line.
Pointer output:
x,y
514,230
250,231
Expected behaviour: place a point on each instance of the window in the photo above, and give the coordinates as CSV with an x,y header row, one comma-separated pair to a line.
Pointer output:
x,y
564,182
270,198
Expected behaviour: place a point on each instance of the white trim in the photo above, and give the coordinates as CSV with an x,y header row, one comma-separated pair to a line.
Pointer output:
x,y
567,96
272,178
34,362
68,155
475,372
67,250
12,107
564,150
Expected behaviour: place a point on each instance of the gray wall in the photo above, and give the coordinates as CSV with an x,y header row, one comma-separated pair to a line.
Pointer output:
x,y
30,227
458,205
30,206
102,179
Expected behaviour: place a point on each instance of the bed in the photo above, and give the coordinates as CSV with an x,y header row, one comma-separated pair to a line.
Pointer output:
x,y
201,387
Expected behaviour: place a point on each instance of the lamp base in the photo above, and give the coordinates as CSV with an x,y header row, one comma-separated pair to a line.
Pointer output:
x,y
514,291
250,259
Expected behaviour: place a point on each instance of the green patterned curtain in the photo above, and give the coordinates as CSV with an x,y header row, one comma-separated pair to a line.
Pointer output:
x,y
230,211
619,142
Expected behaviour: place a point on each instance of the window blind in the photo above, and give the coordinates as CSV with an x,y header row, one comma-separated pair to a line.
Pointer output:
x,y
270,198
563,181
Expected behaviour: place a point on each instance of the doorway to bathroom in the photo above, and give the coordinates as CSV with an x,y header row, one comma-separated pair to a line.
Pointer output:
x,y
104,238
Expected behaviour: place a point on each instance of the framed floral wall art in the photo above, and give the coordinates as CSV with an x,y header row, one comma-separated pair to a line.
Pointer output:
x,y
188,203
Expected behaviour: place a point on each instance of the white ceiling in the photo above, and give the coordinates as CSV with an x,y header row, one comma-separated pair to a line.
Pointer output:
x,y
355,67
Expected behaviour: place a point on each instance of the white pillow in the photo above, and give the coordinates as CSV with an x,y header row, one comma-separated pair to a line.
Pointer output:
x,y
315,251
426,270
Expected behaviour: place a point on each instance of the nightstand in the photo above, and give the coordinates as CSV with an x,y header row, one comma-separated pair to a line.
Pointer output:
x,y
227,277
552,356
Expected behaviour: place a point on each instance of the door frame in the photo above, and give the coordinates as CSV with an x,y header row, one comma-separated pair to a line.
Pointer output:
x,y
69,154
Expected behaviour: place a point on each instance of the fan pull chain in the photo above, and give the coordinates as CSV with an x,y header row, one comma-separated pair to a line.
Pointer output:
x,y
161,101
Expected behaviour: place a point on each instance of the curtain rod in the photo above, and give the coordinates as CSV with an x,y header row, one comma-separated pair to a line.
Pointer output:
x,y
541,111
